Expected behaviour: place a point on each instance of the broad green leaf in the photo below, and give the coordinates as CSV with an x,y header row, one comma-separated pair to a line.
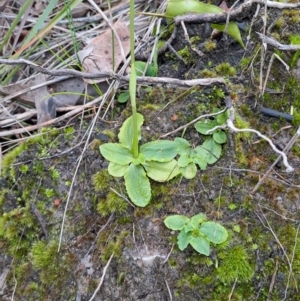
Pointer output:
x,y
219,136
182,7
182,145
123,97
161,171
232,30
117,153
184,160
214,150
159,150
126,132
214,232
141,66
189,171
210,151
137,185
183,240
176,222
198,219
117,170
200,244
203,126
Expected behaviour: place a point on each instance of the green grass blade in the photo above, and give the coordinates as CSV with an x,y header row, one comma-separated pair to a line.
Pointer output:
x,y
9,33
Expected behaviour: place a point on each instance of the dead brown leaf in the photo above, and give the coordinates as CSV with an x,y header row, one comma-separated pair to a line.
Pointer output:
x,y
98,57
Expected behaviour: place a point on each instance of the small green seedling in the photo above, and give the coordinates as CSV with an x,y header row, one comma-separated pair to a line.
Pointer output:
x,y
207,153
197,232
154,160
218,136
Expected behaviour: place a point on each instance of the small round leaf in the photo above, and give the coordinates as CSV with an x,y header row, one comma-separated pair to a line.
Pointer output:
x,y
214,232
219,136
176,222
200,244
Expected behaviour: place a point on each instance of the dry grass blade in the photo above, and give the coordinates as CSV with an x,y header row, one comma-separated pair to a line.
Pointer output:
x,y
53,47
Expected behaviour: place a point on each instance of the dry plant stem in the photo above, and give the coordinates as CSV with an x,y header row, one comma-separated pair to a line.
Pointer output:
x,y
232,289
259,173
17,118
171,48
293,256
187,38
8,114
169,41
112,75
96,238
272,281
276,44
168,288
274,55
40,219
169,254
262,53
0,159
122,196
16,94
77,166
102,278
275,236
251,25
282,216
28,129
231,126
192,122
285,150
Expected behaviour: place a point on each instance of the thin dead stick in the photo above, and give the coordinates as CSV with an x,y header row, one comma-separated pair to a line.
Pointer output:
x,y
102,278
231,126
232,289
274,235
169,254
276,44
292,260
47,123
40,219
78,165
282,216
95,240
187,38
257,172
121,196
285,150
0,159
112,75
272,281
17,118
46,83
168,288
